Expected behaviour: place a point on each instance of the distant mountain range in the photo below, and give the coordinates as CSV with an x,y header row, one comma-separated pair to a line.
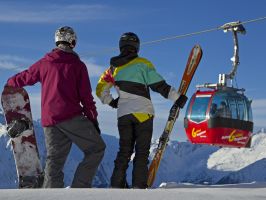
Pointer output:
x,y
183,162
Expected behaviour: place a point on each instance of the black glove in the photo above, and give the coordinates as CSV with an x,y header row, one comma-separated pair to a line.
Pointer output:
x,y
96,125
181,101
114,103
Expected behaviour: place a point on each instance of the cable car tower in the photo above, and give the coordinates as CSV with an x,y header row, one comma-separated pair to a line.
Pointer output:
x,y
220,114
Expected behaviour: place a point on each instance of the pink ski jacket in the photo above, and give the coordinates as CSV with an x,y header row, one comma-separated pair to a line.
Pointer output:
x,y
66,88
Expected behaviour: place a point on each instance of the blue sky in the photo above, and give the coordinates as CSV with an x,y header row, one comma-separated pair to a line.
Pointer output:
x,y
27,33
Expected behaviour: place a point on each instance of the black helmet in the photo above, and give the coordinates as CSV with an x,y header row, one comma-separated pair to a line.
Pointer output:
x,y
129,39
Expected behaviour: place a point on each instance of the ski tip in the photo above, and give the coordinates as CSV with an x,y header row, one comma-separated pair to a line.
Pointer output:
x,y
197,46
198,49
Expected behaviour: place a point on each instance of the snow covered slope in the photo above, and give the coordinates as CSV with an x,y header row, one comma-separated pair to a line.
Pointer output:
x,y
202,164
182,162
255,171
243,192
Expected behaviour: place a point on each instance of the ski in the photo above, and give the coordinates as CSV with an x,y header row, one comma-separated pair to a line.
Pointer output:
x,y
192,64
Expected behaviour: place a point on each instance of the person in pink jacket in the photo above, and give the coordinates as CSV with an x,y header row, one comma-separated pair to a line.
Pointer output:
x,y
68,110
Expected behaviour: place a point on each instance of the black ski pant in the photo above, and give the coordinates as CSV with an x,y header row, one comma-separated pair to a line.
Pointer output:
x,y
133,135
58,140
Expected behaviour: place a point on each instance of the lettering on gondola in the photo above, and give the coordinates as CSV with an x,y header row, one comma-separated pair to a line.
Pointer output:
x,y
235,137
198,133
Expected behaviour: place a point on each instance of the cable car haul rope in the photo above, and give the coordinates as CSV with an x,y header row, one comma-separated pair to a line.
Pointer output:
x,y
176,36
200,32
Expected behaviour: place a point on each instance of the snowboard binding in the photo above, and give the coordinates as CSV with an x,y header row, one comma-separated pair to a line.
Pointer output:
x,y
31,181
17,127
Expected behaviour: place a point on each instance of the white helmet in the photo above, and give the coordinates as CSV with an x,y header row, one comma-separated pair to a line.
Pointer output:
x,y
65,34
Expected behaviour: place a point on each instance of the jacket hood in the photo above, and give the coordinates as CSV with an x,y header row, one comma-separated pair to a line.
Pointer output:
x,y
58,55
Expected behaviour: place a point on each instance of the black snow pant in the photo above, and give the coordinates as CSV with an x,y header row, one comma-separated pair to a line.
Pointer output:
x,y
59,138
133,135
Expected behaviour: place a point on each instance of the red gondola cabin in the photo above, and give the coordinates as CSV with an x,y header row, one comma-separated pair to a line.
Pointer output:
x,y
221,116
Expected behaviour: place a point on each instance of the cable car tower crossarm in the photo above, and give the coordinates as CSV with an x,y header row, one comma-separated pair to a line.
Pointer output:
x,y
235,27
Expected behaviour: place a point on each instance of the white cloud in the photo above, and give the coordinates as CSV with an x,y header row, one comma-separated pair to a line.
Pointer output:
x,y
14,58
259,112
14,63
259,106
35,101
47,13
8,65
94,69
107,118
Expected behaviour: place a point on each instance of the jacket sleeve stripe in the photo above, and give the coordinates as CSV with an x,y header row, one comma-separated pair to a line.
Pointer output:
x,y
105,82
161,87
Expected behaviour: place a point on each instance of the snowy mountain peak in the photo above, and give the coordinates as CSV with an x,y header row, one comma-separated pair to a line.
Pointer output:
x,y
234,159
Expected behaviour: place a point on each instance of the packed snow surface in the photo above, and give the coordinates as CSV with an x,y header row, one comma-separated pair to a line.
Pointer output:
x,y
190,192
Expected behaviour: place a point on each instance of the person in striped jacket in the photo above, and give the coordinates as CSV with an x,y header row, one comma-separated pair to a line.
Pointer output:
x,y
133,77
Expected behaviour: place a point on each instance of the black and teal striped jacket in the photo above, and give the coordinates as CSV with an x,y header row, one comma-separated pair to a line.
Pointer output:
x,y
133,81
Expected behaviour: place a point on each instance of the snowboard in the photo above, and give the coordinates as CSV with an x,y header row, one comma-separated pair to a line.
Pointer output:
x,y
191,66
16,107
